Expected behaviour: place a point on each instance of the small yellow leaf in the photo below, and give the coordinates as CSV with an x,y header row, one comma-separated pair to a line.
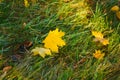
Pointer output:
x,y
41,51
53,40
98,54
97,34
104,41
118,14
115,8
26,4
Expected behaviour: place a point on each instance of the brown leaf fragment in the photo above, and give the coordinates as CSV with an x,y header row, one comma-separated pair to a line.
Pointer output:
x,y
7,68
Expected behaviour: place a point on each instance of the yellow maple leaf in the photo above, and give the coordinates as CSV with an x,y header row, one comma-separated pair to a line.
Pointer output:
x,y
98,54
41,51
53,40
97,34
115,8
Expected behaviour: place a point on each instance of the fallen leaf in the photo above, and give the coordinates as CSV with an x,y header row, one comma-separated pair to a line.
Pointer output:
x,y
25,46
26,3
115,8
98,54
7,68
41,51
104,41
100,38
53,40
97,34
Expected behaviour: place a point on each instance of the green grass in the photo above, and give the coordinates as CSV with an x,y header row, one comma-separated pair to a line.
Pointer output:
x,y
75,60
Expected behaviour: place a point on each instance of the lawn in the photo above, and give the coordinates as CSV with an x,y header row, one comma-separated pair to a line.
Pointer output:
x,y
59,40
